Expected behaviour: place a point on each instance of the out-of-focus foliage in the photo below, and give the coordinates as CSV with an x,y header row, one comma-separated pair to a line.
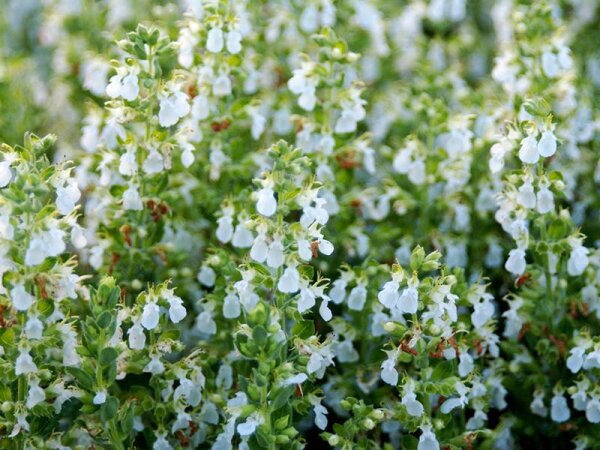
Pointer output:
x,y
288,224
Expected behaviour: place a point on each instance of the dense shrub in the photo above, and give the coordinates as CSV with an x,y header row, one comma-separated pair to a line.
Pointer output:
x,y
289,224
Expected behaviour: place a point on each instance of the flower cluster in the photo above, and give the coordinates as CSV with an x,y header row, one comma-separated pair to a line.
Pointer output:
x,y
353,224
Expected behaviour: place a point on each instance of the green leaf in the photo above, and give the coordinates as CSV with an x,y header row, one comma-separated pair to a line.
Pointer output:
x,y
282,397
85,380
108,356
109,408
282,422
103,320
260,336
7,337
173,334
442,371
303,329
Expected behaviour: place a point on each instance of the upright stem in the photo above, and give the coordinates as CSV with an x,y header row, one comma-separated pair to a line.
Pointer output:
x,y
115,437
551,298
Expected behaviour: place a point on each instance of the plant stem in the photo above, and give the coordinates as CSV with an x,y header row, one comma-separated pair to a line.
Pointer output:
x,y
114,435
552,300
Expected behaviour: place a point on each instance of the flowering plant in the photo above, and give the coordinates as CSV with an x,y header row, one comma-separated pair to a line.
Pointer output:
x,y
350,224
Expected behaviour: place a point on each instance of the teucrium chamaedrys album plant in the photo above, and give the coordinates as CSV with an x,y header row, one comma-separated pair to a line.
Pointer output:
x,y
263,224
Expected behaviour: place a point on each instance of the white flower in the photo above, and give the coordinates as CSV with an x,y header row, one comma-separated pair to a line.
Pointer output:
x,y
182,422
559,411
266,204
231,306
131,199
427,440
409,300
410,402
537,405
113,89
337,293
173,108
389,295
224,228
477,421
526,195
21,424
100,397
205,322
214,41
234,39
187,41
249,427
529,150
465,366
317,213
498,151
47,244
130,88
389,374
456,402
547,145
78,238
24,363
207,276
275,255
137,338
550,64
516,263
320,416
21,299
545,200
324,310
306,300
258,125
259,249
161,443
66,197
357,298
150,315
314,362
402,161
200,107
222,85
579,397
154,162
325,247
34,328
242,236
36,394
124,84
177,311
304,249
155,365
289,281
309,19
417,173
5,173
128,163
575,359
7,231
592,410
578,260
345,351
187,156
482,312
346,123
301,85
295,379
592,360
